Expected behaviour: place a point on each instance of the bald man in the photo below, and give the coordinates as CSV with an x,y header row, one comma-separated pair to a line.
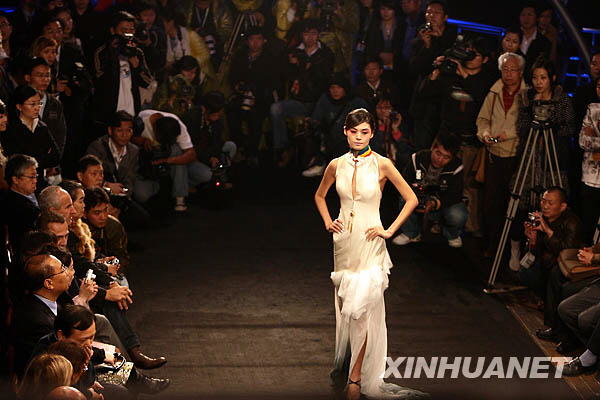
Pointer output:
x,y
65,393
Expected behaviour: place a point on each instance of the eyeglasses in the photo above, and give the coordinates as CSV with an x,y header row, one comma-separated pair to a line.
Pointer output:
x,y
63,268
29,176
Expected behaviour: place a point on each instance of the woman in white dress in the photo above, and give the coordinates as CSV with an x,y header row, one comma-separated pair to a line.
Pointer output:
x,y
361,260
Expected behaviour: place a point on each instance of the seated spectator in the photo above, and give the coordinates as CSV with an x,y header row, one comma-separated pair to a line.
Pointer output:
x,y
19,204
307,72
46,278
8,43
580,313
589,140
497,130
44,373
77,356
65,393
120,70
328,119
374,87
77,324
3,159
38,76
28,135
437,176
110,238
534,43
556,227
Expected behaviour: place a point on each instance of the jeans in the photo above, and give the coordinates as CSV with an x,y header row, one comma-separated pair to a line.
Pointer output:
x,y
535,277
453,220
194,173
279,112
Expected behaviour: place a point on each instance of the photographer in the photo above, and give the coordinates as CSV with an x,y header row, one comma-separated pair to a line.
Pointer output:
x,y
153,41
433,38
252,73
307,73
120,70
328,118
389,139
374,87
436,176
460,85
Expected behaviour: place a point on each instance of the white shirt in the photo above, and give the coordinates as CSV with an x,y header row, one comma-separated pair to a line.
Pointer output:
x,y
43,102
183,140
125,101
117,154
52,305
525,43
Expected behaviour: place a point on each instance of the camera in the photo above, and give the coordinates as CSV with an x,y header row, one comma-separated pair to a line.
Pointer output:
x,y
151,171
542,110
114,261
246,97
425,191
141,32
426,27
126,44
89,276
458,52
532,220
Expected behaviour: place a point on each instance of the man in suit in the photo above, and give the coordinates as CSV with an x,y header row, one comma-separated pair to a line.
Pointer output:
x,y
46,278
534,44
19,205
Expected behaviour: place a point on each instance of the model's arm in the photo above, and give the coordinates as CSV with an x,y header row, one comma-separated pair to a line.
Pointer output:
x,y
326,182
390,172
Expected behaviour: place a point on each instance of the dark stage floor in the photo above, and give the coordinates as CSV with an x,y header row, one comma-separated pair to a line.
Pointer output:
x,y
240,301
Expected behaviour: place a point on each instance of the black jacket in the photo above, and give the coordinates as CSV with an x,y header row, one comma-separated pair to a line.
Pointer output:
x,y
107,72
126,174
33,319
458,117
261,76
451,177
54,118
539,46
567,235
311,72
19,214
208,140
18,139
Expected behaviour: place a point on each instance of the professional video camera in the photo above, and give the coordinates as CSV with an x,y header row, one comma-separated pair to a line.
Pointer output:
x,y
459,52
128,42
542,110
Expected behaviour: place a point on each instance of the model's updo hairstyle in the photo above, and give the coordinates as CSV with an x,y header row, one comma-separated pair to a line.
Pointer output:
x,y
357,117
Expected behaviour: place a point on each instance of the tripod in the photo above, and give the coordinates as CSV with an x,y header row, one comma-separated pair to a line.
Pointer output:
x,y
597,232
541,133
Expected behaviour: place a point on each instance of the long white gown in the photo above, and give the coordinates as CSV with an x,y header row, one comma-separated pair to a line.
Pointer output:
x,y
360,278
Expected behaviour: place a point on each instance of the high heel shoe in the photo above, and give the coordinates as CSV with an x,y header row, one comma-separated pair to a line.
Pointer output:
x,y
354,395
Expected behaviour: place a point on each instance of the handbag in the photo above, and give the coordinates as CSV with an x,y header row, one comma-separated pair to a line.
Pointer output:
x,y
479,165
572,268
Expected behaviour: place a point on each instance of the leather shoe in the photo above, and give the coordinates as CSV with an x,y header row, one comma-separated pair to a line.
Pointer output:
x,y
547,334
148,385
566,346
574,368
142,361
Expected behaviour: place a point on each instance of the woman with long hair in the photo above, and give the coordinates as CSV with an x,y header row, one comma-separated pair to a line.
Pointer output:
x,y
361,260
44,373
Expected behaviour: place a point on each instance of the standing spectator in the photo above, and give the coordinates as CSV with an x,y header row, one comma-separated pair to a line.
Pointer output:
x,y
66,20
546,28
252,73
534,43
38,76
308,69
155,44
459,114
375,87
435,37
589,140
87,26
497,129
22,19
386,38
213,21
26,134
120,70
586,94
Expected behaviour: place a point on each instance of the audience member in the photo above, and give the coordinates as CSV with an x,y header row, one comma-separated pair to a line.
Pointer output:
x,y
497,130
374,86
45,373
437,177
534,43
589,140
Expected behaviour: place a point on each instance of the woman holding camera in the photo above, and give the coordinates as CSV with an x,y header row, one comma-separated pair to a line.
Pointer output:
x,y
361,260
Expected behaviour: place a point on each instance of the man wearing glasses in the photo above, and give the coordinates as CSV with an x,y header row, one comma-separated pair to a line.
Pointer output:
x,y
19,205
46,278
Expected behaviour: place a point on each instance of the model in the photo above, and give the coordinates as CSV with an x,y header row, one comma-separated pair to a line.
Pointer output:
x,y
361,260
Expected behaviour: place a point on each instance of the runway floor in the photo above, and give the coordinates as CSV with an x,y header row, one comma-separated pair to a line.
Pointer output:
x,y
240,301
